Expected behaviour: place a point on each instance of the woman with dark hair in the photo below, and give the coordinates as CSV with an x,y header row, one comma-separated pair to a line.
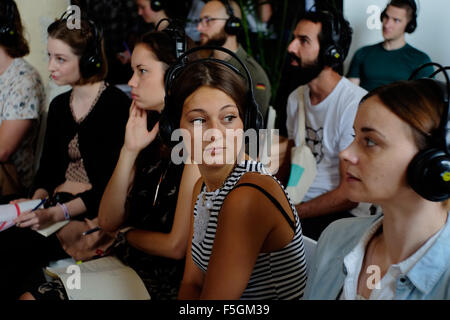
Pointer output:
x,y
246,239
85,130
143,201
403,253
147,192
22,99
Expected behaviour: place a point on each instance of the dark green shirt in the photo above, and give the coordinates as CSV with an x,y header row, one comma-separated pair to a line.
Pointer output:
x,y
261,83
376,66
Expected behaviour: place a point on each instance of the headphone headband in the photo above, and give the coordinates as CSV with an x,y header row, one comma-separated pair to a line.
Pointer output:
x,y
182,60
444,129
429,171
252,115
412,24
233,24
91,61
176,32
332,51
228,7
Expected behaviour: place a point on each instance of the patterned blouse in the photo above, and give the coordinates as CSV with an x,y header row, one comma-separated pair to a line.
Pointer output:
x,y
22,96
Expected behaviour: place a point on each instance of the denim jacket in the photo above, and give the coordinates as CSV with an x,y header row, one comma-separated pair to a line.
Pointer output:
x,y
429,278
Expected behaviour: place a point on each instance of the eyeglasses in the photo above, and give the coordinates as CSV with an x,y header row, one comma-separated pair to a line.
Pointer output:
x,y
206,20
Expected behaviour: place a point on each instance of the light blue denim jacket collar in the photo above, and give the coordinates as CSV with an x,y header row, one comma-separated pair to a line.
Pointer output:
x,y
428,271
328,271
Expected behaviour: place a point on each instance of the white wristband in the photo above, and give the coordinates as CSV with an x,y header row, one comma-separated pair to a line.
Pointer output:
x,y
66,211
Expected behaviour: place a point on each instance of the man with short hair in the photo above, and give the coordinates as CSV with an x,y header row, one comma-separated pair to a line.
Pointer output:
x,y
320,45
216,28
393,59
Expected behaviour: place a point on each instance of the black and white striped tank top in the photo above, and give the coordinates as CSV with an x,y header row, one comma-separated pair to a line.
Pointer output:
x,y
276,275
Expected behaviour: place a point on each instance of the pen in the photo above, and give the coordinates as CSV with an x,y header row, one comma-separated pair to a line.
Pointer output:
x,y
126,47
91,231
40,204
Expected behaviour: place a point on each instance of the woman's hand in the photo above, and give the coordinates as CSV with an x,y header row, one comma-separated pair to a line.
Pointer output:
x,y
40,218
124,57
137,136
82,247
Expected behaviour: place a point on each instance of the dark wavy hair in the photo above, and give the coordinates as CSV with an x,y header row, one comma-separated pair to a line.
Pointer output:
x,y
161,44
17,47
325,34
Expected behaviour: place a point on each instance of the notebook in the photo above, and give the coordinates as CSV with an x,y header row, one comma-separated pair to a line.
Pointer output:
x,y
52,228
105,278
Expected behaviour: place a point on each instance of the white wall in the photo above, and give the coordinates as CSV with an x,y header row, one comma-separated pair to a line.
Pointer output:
x,y
36,17
431,36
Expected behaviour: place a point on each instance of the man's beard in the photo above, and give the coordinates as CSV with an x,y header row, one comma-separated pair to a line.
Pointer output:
x,y
218,39
305,74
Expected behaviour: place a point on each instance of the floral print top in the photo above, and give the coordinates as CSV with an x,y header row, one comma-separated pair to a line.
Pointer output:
x,y
22,96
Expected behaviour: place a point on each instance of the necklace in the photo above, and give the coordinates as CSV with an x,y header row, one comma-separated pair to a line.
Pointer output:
x,y
80,119
209,202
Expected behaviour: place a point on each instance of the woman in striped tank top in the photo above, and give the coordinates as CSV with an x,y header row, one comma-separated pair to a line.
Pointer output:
x,y
246,239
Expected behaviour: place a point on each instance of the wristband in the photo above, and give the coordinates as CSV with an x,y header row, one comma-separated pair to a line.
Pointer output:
x,y
66,211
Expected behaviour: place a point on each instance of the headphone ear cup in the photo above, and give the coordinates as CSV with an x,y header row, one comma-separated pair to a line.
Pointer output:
x,y
233,26
7,32
412,25
428,174
6,35
166,122
91,61
333,56
156,5
90,65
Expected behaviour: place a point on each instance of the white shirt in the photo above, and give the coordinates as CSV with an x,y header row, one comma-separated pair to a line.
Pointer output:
x,y
385,288
329,130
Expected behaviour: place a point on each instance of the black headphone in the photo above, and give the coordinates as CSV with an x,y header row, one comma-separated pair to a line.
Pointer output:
x,y
7,32
333,54
233,25
429,171
169,121
176,31
157,5
412,25
91,62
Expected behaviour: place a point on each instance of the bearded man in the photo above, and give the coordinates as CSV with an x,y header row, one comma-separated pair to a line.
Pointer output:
x,y
320,45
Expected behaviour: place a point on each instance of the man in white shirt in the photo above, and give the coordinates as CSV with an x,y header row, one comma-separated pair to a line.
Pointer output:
x,y
320,45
